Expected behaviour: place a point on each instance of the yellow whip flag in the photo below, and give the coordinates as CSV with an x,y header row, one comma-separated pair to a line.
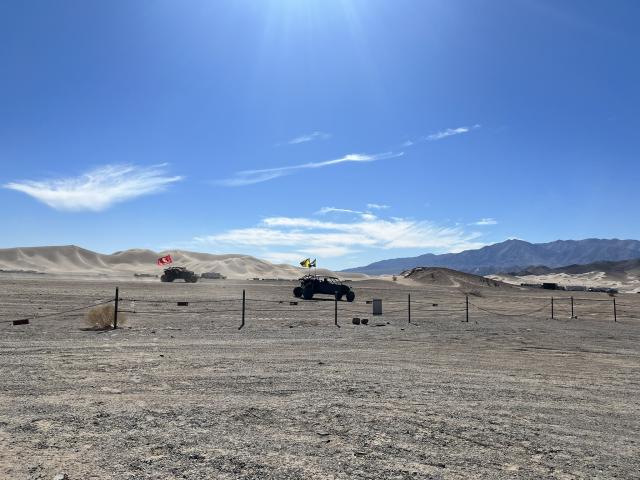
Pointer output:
x,y
306,263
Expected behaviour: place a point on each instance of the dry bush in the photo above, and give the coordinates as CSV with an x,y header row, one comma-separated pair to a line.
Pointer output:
x,y
102,317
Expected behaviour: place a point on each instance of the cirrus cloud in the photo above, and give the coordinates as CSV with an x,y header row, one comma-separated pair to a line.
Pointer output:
x,y
326,210
485,221
377,206
449,132
249,177
364,231
97,189
309,137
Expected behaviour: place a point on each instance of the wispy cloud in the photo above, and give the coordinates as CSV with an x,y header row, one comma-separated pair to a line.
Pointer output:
x,y
377,206
97,189
309,137
325,210
338,238
485,221
242,179
449,132
248,177
370,206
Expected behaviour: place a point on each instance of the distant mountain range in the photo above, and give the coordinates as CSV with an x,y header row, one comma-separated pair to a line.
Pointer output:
x,y
514,255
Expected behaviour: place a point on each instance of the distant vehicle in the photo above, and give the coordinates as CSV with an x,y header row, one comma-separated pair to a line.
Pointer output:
x,y
550,286
576,288
174,273
213,276
603,290
311,285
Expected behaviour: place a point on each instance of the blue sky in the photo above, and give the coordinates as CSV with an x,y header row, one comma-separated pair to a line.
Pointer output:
x,y
346,130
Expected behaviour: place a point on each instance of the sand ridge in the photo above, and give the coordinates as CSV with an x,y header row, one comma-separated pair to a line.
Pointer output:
x,y
447,277
625,283
72,259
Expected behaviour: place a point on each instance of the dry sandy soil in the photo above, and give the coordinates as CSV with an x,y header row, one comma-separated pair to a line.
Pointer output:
x,y
186,395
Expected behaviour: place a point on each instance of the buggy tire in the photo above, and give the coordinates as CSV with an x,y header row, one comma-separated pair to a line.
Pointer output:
x,y
297,292
351,296
307,292
166,278
338,296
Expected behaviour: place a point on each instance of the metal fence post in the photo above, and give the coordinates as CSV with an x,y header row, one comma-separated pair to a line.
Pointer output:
x,y
115,311
572,315
552,308
336,312
466,298
409,306
243,303
615,314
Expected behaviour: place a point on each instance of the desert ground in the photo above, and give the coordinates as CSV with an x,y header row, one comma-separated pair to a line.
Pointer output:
x,y
181,392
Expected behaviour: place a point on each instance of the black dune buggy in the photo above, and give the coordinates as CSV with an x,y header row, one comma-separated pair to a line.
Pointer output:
x,y
311,285
175,273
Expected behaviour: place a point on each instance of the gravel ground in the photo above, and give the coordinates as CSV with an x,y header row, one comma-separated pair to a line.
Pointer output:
x,y
180,392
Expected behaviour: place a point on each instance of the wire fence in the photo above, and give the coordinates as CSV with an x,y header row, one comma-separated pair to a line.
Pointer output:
x,y
23,320
413,310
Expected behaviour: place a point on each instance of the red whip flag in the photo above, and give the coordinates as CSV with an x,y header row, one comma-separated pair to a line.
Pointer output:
x,y
166,260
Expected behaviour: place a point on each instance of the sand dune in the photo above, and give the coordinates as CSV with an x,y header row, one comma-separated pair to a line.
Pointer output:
x,y
75,260
623,275
446,277
628,283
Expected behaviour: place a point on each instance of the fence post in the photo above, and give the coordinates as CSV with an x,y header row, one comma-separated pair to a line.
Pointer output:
x,y
243,302
615,314
115,311
336,312
572,315
466,298
409,306
552,309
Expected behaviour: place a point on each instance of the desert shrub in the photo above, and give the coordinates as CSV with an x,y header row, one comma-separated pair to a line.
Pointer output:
x,y
102,316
